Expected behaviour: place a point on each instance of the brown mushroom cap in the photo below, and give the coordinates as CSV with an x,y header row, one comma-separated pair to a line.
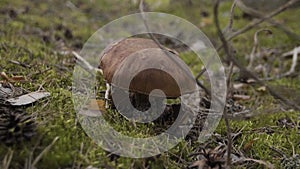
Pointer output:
x,y
134,53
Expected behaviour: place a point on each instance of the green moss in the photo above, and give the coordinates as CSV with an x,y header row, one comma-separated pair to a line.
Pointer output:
x,y
263,132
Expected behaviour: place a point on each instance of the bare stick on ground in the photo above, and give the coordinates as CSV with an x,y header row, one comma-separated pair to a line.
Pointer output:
x,y
242,68
259,21
255,47
86,65
296,51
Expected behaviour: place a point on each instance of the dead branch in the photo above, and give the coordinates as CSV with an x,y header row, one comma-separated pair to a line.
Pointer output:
x,y
226,118
292,71
86,65
228,29
227,123
7,159
294,62
206,90
284,29
242,68
259,21
255,46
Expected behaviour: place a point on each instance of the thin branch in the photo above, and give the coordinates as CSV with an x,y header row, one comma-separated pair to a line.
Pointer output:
x,y
229,76
290,53
266,164
243,69
228,28
7,159
232,14
278,151
141,6
164,49
259,21
201,73
19,63
86,65
294,62
292,71
293,148
227,123
255,46
206,90
38,158
284,29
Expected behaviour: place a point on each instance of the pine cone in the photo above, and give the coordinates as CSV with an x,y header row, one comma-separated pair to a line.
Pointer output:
x,y
15,125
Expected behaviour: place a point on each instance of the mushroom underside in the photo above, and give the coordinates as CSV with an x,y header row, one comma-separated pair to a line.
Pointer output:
x,y
139,101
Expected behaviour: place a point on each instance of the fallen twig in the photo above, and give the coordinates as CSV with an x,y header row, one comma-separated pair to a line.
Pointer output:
x,y
19,63
292,71
86,65
284,29
255,46
294,63
206,90
7,159
226,118
267,164
227,123
243,69
259,21
38,158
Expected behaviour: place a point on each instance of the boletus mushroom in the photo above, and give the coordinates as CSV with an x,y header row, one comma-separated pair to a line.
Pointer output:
x,y
165,71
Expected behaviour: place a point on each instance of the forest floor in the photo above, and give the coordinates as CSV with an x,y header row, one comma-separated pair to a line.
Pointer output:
x,y
35,37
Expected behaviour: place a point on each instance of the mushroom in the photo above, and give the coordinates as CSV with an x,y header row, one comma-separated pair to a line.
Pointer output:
x,y
125,57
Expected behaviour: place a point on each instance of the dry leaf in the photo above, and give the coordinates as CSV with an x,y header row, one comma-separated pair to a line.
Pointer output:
x,y
96,105
205,22
241,97
4,76
248,146
12,79
250,81
262,89
27,98
18,79
238,85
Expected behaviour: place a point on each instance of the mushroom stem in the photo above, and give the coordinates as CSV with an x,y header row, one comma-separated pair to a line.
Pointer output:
x,y
107,93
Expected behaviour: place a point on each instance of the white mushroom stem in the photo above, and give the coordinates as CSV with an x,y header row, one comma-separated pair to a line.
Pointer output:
x,y
107,93
86,65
